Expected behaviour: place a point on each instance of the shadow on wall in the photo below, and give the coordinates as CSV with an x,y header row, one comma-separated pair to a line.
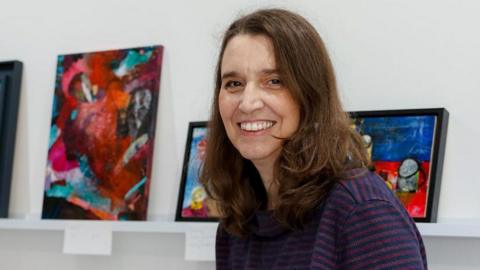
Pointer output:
x,y
452,253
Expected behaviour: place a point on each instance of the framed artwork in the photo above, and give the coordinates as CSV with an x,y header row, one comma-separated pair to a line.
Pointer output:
x,y
10,81
193,203
406,148
3,90
102,133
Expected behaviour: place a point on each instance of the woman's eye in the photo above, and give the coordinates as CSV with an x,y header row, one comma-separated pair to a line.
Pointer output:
x,y
274,82
232,84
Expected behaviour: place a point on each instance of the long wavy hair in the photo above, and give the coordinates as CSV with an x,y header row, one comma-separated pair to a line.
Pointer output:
x,y
322,150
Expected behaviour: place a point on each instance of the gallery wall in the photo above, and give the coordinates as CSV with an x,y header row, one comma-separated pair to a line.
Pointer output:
x,y
387,54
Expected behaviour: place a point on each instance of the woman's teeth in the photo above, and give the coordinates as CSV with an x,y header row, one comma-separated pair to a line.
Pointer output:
x,y
256,126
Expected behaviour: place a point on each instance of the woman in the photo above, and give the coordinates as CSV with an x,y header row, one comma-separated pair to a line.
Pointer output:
x,y
285,166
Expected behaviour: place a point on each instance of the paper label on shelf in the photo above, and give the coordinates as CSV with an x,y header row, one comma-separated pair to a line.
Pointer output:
x,y
200,245
85,238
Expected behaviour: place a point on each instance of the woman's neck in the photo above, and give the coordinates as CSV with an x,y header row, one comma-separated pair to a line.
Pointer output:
x,y
271,186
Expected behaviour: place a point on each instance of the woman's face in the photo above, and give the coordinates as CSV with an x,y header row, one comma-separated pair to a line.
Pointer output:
x,y
258,112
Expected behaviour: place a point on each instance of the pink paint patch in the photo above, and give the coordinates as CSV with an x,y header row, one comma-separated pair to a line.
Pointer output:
x,y
58,159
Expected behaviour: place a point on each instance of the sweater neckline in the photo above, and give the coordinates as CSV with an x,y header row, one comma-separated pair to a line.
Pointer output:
x,y
266,225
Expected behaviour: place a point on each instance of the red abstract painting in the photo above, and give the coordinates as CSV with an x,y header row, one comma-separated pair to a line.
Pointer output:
x,y
102,133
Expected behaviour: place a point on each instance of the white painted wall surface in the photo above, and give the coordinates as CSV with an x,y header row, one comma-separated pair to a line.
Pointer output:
x,y
388,55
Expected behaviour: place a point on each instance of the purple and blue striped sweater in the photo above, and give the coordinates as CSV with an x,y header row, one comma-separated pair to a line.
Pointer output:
x,y
361,225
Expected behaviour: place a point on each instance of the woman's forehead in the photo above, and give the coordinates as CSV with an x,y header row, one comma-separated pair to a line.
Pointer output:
x,y
248,53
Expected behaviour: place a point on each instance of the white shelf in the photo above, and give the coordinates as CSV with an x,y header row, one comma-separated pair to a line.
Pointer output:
x,y
121,226
200,237
201,248
462,230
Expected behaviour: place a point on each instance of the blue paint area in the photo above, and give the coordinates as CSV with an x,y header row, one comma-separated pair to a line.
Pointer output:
x,y
55,107
399,137
53,136
85,167
86,189
85,185
194,165
73,115
58,191
58,80
134,58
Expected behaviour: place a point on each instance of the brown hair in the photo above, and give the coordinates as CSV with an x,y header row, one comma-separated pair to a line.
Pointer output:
x,y
313,159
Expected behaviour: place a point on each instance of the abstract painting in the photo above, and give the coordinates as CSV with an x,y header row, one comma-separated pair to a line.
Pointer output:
x,y
406,149
102,133
10,81
193,202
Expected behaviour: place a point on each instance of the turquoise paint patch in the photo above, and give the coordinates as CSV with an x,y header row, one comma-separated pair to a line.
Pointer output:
x,y
73,115
86,188
53,136
135,188
60,191
133,58
55,110
89,194
85,167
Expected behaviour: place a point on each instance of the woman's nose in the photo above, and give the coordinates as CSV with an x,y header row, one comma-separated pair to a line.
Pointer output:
x,y
251,98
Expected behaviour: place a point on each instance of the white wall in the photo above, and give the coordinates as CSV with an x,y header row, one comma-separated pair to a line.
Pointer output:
x,y
388,54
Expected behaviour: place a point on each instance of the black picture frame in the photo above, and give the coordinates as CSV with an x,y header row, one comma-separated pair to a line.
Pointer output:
x,y
387,127
190,171
10,80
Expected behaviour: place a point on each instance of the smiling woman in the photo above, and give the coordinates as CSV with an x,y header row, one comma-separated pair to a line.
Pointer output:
x,y
258,112
284,165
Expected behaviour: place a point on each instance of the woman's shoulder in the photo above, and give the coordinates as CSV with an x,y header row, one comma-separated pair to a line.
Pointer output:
x,y
363,198
358,188
367,218
362,185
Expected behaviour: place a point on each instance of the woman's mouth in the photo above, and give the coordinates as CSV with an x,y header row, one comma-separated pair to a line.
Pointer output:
x,y
253,126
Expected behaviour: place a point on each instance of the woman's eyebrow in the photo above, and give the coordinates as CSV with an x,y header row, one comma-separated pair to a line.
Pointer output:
x,y
269,71
229,74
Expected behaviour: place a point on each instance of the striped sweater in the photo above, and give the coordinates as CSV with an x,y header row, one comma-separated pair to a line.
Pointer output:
x,y
361,225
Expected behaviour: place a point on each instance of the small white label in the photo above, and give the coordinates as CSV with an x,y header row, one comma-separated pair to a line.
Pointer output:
x,y
200,244
88,238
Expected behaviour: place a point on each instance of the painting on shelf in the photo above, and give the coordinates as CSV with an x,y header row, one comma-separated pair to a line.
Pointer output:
x,y
193,203
406,148
10,81
102,133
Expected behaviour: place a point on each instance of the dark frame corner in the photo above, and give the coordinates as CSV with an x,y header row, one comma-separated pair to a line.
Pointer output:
x,y
10,77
